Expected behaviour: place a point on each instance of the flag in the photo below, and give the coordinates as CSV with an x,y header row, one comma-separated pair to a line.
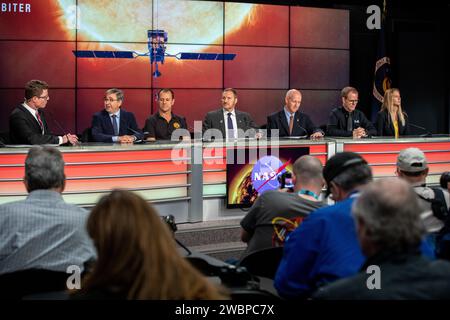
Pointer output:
x,y
382,76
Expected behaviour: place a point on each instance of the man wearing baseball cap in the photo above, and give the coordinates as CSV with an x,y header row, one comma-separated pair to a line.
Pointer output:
x,y
412,166
325,247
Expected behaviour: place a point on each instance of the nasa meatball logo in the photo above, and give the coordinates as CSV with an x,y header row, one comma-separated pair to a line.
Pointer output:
x,y
265,173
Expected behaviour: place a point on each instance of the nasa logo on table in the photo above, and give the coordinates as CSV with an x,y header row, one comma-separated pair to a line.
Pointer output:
x,y
264,173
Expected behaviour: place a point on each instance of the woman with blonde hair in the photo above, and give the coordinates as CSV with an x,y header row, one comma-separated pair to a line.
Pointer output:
x,y
391,120
137,255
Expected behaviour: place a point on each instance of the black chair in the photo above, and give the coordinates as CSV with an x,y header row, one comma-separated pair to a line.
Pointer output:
x,y
18,284
86,136
4,138
252,295
50,295
263,263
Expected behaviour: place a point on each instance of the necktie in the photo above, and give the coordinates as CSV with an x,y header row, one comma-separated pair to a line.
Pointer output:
x,y
230,126
350,122
40,121
291,124
114,123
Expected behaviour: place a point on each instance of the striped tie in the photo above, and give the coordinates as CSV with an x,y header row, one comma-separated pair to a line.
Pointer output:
x,y
40,121
114,123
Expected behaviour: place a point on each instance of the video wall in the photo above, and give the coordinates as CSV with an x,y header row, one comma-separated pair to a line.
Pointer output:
x,y
276,47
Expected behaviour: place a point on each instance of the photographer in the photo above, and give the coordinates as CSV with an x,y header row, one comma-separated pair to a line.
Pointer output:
x,y
274,214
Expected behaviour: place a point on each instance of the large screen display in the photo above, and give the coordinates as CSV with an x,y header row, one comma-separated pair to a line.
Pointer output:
x,y
275,48
252,171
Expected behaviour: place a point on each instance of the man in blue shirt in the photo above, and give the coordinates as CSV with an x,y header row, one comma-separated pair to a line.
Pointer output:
x,y
325,246
390,230
43,232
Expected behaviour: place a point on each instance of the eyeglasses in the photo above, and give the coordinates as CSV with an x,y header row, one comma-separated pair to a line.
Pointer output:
x,y
110,100
352,101
44,97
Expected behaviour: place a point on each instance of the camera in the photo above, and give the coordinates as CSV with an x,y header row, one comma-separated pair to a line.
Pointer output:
x,y
286,182
170,221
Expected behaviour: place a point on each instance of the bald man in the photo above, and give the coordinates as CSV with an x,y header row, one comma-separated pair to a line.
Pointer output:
x,y
290,122
390,231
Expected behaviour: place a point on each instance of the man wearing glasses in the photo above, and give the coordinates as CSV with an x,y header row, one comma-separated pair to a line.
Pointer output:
x,y
346,121
27,124
114,124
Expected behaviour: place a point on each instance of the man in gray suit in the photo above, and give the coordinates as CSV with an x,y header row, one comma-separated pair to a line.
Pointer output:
x,y
228,121
42,232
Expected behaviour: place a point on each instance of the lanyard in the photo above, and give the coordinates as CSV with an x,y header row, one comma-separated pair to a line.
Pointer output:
x,y
309,193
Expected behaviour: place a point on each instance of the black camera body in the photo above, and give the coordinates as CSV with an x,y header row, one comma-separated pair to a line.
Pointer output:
x,y
170,221
286,182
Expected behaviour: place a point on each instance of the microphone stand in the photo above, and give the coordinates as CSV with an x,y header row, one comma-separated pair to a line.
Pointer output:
x,y
139,135
427,133
60,127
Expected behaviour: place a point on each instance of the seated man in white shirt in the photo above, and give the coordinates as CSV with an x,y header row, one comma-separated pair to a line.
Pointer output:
x,y
27,124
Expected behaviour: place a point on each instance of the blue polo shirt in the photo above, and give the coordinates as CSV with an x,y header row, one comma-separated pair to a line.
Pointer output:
x,y
322,249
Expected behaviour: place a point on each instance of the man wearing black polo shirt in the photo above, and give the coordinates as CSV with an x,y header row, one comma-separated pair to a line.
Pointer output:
x,y
161,125
347,121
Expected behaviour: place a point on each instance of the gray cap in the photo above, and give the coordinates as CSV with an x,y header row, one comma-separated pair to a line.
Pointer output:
x,y
411,160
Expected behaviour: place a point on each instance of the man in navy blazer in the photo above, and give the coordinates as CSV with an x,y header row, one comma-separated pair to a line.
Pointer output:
x,y
229,121
290,121
114,124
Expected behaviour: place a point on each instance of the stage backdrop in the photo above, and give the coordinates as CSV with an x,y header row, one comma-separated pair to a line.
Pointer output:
x,y
276,47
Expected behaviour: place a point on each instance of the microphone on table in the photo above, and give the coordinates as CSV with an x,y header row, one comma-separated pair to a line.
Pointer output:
x,y
137,135
65,132
426,134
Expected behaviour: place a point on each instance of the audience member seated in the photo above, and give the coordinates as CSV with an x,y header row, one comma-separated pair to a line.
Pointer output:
x,y
43,232
325,247
412,167
389,231
391,120
114,124
137,256
276,213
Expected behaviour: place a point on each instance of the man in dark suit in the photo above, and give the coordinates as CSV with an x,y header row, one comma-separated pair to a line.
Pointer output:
x,y
290,121
114,124
347,121
230,122
27,124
